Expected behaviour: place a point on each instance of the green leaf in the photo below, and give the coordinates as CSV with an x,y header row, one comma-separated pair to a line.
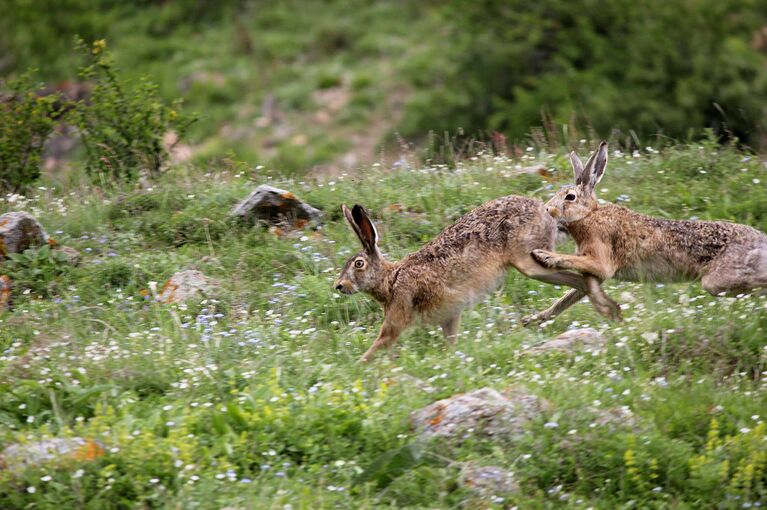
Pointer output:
x,y
392,464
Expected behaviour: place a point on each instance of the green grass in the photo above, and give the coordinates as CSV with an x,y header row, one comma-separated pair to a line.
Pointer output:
x,y
254,399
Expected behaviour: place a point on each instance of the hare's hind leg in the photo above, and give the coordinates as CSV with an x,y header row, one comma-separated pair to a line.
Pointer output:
x,y
450,329
739,271
562,304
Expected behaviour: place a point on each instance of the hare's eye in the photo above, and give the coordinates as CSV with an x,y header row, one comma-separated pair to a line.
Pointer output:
x,y
570,197
359,263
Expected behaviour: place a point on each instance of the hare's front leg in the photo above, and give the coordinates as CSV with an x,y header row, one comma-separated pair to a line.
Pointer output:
x,y
580,263
395,321
450,329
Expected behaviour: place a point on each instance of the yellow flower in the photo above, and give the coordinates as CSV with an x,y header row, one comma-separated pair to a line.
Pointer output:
x,y
99,46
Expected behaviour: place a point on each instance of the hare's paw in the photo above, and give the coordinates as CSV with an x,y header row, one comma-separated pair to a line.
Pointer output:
x,y
534,320
608,308
546,258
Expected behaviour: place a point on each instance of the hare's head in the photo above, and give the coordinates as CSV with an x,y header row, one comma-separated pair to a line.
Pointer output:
x,y
575,202
362,271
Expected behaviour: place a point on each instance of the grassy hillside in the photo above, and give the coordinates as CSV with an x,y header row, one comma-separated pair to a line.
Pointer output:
x,y
323,85
254,399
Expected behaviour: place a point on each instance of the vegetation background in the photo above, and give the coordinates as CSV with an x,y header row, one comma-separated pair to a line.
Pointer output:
x,y
420,111
324,84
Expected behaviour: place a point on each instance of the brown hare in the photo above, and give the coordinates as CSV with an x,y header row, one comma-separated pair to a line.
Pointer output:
x,y
456,269
615,242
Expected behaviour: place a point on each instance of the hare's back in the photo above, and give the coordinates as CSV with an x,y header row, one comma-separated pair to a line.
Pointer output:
x,y
487,236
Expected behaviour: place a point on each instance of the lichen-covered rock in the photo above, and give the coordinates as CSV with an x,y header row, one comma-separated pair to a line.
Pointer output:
x,y
275,206
18,457
5,292
19,231
481,413
186,285
488,481
586,339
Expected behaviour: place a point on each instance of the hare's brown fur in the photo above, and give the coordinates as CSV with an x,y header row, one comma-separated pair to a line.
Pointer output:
x,y
615,242
456,269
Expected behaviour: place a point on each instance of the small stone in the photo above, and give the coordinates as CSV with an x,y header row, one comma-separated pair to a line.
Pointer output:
x,y
186,285
534,169
614,417
627,297
487,481
72,256
482,413
19,231
275,206
407,380
587,339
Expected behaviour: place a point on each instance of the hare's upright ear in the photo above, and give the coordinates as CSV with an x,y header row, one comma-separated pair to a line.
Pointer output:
x,y
577,165
367,231
595,167
361,224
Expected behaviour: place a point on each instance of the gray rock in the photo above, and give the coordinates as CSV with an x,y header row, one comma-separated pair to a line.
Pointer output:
x,y
487,481
186,285
275,206
19,231
481,413
18,457
586,339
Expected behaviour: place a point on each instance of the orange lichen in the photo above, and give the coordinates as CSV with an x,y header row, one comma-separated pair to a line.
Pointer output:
x,y
91,450
5,291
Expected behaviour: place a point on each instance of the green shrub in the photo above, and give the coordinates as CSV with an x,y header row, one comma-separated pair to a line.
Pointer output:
x,y
26,120
37,269
122,128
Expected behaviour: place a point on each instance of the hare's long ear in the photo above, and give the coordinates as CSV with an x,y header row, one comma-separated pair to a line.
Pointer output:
x,y
351,222
367,231
361,224
577,165
595,167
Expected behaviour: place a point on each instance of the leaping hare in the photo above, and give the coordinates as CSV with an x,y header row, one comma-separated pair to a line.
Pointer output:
x,y
615,242
456,269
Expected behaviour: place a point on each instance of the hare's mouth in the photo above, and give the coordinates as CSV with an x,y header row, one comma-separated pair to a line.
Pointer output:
x,y
345,289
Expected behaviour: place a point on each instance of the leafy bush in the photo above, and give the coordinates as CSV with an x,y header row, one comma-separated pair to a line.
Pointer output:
x,y
26,120
122,129
36,269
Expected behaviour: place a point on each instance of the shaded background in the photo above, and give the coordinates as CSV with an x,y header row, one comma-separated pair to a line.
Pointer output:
x,y
326,86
